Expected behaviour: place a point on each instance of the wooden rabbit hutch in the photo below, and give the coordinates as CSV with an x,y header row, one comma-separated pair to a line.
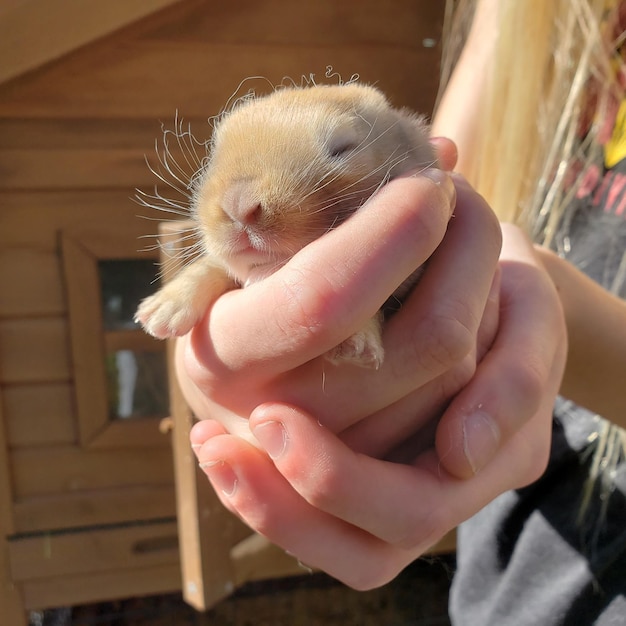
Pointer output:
x,y
88,491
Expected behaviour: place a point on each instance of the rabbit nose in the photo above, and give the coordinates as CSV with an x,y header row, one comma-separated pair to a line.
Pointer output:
x,y
242,203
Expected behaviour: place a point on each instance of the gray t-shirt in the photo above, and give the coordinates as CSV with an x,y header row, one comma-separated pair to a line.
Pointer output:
x,y
529,558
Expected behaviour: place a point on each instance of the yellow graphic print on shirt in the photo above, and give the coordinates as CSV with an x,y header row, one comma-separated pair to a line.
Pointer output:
x,y
615,149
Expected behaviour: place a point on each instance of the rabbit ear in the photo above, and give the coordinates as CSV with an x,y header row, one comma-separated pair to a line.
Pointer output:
x,y
411,134
397,133
416,129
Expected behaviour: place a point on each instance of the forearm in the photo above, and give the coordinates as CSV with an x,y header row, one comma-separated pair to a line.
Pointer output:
x,y
596,324
459,114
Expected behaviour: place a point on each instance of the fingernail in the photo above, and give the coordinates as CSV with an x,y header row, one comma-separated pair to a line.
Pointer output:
x,y
222,476
481,439
442,179
272,437
436,175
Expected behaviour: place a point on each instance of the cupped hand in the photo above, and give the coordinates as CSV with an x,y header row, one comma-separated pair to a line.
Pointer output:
x,y
265,342
362,519
472,364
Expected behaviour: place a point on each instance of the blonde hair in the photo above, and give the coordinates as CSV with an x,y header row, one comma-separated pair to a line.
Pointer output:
x,y
554,73
548,53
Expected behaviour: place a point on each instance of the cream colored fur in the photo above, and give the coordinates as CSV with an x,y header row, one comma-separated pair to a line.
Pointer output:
x,y
283,170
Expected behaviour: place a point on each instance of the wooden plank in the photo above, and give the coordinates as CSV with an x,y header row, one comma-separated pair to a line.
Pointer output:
x,y
134,432
49,471
319,22
35,32
30,283
87,341
383,46
108,89
89,551
37,415
73,169
103,239
11,597
80,261
34,219
91,508
9,5
13,611
34,351
94,133
52,154
101,586
206,529
7,521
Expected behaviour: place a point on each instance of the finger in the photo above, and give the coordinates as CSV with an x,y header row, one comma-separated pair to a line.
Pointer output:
x,y
518,376
334,285
446,152
247,483
230,410
333,508
353,487
408,507
433,332
431,343
406,428
202,431
414,416
438,325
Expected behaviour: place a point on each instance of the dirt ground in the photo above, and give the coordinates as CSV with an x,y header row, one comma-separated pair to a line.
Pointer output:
x,y
418,597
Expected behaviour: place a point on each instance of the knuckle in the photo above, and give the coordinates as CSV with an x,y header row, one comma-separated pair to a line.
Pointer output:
x,y
431,221
264,521
530,382
325,489
470,201
441,340
519,396
307,306
456,378
426,530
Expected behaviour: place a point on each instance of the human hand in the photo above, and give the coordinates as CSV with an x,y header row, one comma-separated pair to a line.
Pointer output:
x,y
285,323
362,519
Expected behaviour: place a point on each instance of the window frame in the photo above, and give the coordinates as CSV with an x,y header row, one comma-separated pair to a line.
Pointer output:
x,y
81,253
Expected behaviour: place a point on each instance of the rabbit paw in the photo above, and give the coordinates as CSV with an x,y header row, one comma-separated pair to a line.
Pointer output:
x,y
364,348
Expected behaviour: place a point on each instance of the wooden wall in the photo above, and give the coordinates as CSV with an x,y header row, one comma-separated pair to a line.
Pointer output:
x,y
73,136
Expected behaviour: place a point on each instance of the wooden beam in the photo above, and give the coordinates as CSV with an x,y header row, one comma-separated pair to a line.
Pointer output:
x,y
100,586
133,547
206,530
94,508
11,601
34,32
